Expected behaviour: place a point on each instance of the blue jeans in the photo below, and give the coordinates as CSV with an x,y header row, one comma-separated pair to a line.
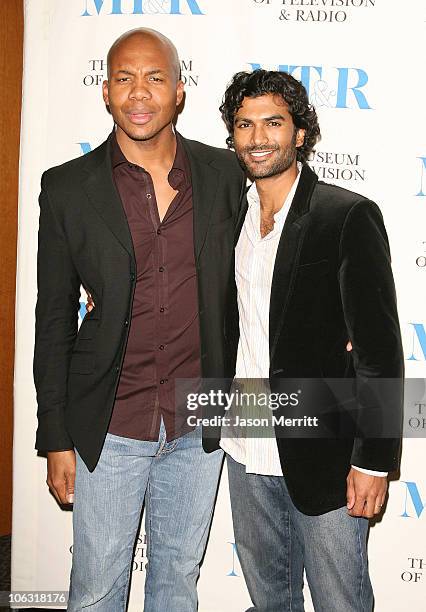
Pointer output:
x,y
275,543
178,482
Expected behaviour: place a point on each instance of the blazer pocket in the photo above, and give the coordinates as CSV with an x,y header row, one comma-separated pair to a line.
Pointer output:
x,y
82,362
313,270
88,328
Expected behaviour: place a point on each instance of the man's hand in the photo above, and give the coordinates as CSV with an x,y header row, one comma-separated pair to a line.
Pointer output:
x,y
61,475
365,494
90,304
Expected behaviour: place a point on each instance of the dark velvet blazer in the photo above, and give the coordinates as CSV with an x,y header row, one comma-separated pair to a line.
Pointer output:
x,y
332,282
84,239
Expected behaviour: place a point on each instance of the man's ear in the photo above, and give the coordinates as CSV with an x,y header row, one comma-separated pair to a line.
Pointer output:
x,y
300,137
179,92
105,92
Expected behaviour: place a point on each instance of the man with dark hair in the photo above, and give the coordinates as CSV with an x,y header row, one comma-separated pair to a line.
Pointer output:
x,y
145,223
312,271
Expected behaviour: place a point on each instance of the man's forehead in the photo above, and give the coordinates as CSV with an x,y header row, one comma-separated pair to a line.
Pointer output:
x,y
265,101
140,48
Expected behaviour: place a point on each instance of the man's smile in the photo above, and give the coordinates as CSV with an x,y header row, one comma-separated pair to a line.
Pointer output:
x,y
261,155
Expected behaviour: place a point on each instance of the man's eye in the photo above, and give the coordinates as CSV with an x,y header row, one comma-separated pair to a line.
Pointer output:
x,y
243,125
274,123
155,79
122,79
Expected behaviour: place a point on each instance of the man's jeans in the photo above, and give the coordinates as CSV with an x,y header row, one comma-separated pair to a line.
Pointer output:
x,y
275,542
178,482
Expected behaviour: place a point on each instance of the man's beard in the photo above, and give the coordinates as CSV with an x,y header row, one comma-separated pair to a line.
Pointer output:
x,y
282,163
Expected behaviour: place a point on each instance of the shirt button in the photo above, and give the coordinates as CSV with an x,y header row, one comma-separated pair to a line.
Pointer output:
x,y
161,309
161,347
117,368
126,323
159,232
162,381
161,269
148,195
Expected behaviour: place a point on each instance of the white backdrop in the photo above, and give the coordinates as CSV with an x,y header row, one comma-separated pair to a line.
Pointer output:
x,y
362,61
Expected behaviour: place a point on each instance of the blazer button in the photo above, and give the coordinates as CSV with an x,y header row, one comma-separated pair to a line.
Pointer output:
x,y
132,276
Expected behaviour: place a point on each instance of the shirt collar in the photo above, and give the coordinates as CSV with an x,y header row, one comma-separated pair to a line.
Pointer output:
x,y
179,175
254,199
117,155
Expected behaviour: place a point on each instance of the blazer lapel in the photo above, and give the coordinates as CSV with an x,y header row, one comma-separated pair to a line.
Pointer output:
x,y
241,217
205,182
102,193
288,254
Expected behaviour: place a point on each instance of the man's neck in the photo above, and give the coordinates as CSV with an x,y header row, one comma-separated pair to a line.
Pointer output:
x,y
157,153
274,190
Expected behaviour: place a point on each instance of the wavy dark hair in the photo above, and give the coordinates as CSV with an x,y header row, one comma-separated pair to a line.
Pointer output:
x,y
261,82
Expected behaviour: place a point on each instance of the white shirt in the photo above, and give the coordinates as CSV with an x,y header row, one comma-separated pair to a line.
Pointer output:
x,y
254,267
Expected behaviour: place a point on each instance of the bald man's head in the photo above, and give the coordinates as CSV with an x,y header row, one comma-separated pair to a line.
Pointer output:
x,y
143,35
143,90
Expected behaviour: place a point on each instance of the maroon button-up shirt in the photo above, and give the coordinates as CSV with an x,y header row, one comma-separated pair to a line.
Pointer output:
x,y
164,341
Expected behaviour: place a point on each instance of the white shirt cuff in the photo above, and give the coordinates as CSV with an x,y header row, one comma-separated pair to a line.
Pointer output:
x,y
370,472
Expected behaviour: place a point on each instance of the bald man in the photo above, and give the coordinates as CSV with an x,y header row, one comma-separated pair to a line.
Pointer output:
x,y
145,223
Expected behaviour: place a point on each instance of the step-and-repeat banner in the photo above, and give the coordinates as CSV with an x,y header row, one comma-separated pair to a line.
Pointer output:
x,y
362,62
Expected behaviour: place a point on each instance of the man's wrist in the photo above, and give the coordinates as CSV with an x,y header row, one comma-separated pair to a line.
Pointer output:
x,y
370,472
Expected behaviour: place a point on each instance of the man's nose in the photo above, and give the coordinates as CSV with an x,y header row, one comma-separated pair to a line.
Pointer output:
x,y
259,136
140,91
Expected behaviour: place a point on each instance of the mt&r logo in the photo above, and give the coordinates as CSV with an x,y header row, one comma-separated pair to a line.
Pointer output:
x,y
418,342
414,504
94,8
330,86
422,176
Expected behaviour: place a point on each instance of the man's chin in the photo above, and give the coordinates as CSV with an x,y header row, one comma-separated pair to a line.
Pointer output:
x,y
257,172
142,133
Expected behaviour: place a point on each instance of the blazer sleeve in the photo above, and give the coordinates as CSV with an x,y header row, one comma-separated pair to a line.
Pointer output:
x,y
370,310
56,326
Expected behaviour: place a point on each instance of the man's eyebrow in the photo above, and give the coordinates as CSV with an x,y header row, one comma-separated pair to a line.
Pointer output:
x,y
274,117
271,118
149,73
156,71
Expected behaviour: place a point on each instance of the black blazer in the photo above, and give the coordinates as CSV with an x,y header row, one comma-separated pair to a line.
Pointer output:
x,y
332,282
84,239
